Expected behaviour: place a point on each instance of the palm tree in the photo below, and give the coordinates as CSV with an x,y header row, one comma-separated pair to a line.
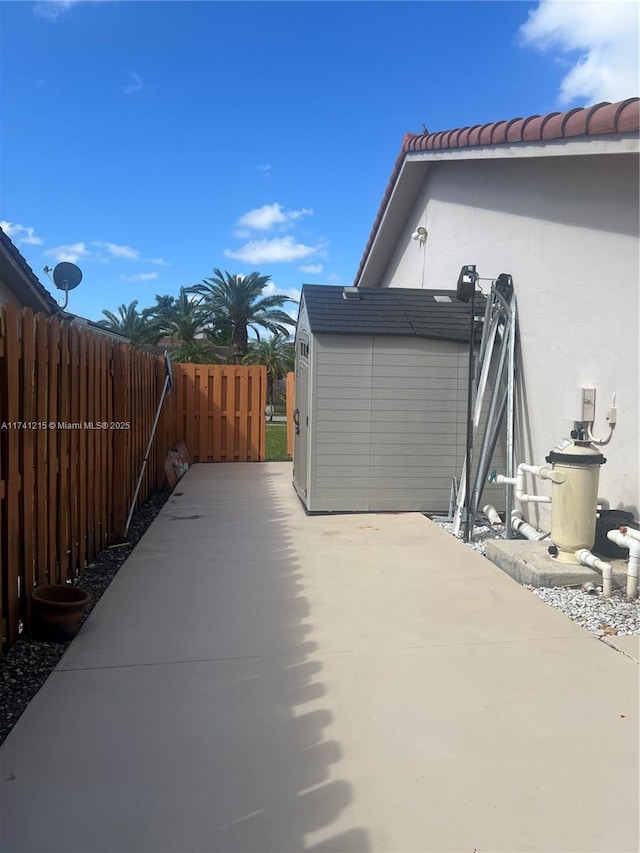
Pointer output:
x,y
187,322
163,303
276,354
140,327
183,319
236,301
195,352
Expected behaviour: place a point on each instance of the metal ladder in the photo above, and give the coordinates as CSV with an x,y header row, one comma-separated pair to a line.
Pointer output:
x,y
495,371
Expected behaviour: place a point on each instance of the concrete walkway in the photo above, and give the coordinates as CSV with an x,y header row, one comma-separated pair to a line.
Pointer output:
x,y
258,680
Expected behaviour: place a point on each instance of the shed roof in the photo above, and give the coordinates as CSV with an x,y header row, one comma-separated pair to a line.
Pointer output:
x,y
404,312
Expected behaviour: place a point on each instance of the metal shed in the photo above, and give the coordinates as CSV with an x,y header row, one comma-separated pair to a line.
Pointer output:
x,y
380,399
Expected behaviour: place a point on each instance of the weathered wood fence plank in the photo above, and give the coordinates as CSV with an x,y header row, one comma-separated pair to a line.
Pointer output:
x,y
87,404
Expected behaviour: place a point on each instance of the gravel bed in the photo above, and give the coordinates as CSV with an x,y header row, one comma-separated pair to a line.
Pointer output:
x,y
599,615
27,665
602,616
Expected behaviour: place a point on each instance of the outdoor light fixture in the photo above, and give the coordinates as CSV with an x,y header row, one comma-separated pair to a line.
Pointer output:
x,y
420,234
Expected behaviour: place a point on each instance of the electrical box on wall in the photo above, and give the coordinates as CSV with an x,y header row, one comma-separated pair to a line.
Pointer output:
x,y
580,404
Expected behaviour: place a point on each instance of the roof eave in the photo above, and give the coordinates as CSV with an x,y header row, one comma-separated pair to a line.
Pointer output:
x,y
600,129
31,295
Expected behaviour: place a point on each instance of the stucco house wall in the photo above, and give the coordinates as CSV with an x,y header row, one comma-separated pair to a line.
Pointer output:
x,y
564,224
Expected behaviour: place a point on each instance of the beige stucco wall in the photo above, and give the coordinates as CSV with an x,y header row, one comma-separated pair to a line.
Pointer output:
x,y
567,231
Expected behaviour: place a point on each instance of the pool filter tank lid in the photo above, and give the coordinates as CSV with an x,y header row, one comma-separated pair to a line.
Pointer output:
x,y
575,453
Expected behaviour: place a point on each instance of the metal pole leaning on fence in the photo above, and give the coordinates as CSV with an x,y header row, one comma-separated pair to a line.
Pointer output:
x,y
168,383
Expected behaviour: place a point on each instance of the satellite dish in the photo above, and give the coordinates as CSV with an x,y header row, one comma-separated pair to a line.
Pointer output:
x,y
66,276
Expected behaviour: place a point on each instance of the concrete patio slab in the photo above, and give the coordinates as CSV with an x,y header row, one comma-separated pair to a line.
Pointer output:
x,y
529,562
257,679
629,646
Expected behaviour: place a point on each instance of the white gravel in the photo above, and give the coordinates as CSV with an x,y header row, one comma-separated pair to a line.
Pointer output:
x,y
601,616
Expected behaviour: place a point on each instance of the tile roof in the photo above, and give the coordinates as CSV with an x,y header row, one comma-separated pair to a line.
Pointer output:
x,y
404,312
28,285
603,118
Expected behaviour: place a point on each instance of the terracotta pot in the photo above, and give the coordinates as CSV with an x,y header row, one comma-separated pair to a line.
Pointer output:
x,y
56,612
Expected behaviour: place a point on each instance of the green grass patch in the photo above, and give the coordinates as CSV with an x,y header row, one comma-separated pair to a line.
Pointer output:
x,y
277,443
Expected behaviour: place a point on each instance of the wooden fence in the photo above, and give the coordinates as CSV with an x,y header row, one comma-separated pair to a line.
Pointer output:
x,y
76,412
220,411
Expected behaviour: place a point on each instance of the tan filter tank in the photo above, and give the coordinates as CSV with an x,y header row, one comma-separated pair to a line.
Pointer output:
x,y
574,499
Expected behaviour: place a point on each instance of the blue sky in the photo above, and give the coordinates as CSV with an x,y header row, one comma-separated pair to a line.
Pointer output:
x,y
152,141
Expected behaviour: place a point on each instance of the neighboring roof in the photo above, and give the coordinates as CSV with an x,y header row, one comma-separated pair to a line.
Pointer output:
x,y
601,119
397,311
94,326
25,285
21,279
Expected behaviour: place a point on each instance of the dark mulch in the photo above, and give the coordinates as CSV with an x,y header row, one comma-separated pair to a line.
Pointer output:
x,y
25,668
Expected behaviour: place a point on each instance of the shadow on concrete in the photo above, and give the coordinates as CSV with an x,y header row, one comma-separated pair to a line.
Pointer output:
x,y
194,718
288,790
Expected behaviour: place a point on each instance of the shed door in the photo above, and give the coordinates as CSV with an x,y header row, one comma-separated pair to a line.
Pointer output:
x,y
301,420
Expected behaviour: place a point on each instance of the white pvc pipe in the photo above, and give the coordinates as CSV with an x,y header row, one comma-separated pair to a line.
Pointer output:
x,y
629,531
586,558
633,570
492,514
625,540
519,525
542,471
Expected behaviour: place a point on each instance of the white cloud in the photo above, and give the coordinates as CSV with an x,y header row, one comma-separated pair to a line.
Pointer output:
x,y
269,216
313,269
51,10
278,250
159,261
272,289
334,278
265,168
20,233
72,252
603,34
141,276
119,251
134,85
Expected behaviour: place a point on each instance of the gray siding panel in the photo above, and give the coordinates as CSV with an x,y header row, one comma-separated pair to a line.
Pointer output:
x,y
329,500
330,440
357,412
389,424
417,394
341,484
342,424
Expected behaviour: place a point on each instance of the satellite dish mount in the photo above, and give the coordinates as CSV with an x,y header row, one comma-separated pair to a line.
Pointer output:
x,y
66,276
